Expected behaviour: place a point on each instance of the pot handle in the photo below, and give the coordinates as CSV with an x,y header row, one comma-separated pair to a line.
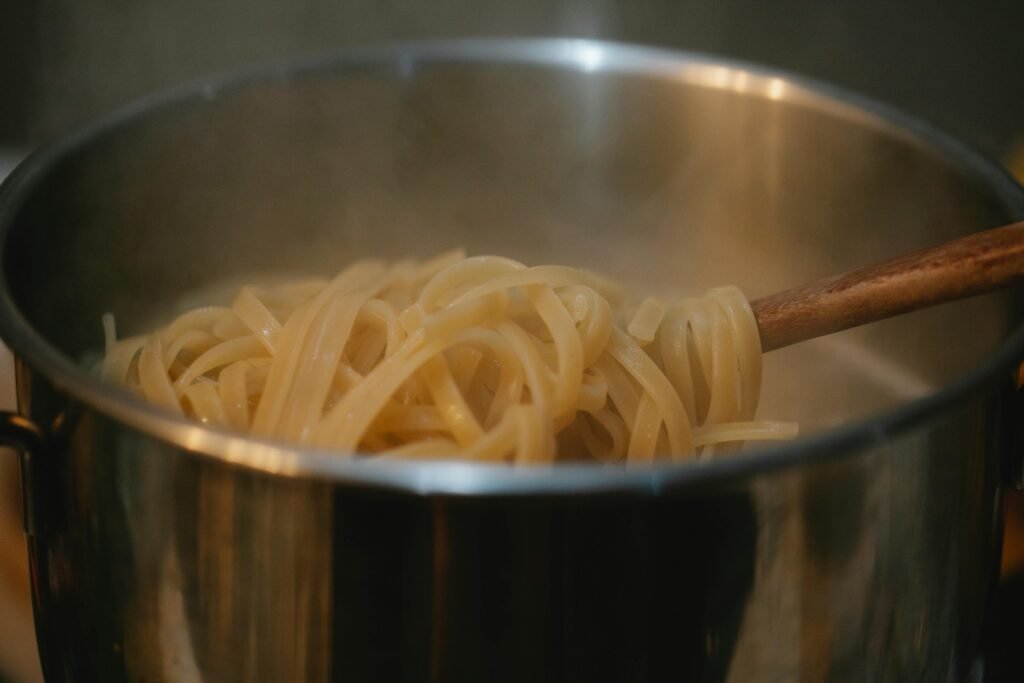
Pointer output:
x,y
24,436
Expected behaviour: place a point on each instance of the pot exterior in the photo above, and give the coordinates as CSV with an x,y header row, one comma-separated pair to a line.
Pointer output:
x,y
152,563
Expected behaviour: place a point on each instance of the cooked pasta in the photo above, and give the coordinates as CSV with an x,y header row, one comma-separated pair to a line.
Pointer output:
x,y
480,358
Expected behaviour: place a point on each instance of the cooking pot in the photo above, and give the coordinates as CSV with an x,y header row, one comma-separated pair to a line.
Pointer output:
x,y
163,550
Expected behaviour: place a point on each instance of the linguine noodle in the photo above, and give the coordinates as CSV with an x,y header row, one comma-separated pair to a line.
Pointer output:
x,y
479,358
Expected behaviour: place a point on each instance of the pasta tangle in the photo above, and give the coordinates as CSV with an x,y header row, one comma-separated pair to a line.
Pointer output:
x,y
479,358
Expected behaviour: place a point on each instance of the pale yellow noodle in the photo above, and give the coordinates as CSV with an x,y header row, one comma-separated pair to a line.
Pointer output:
x,y
117,362
464,362
656,385
730,432
197,319
218,356
195,342
593,316
593,392
616,429
719,372
676,362
622,392
480,358
646,321
569,351
644,436
321,353
280,382
234,394
153,376
398,418
538,381
451,404
205,403
382,315
257,317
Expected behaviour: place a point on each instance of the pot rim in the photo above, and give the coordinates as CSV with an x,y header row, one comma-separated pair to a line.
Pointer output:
x,y
466,478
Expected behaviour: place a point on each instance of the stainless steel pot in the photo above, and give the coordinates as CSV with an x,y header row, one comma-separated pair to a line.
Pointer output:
x,y
165,551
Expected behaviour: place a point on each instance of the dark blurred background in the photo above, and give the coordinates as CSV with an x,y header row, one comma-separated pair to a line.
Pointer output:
x,y
958,64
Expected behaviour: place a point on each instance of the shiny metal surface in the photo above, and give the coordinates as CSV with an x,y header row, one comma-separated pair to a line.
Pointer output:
x,y
172,552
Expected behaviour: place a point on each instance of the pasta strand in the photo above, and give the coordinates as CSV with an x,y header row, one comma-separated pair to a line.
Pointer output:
x,y
481,358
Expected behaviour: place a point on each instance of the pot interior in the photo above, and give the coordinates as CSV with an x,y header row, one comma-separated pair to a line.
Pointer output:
x,y
668,172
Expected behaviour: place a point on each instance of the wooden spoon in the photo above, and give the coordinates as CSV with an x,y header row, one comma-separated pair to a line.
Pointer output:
x,y
975,264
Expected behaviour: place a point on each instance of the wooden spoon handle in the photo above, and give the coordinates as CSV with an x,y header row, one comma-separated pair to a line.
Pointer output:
x,y
975,264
